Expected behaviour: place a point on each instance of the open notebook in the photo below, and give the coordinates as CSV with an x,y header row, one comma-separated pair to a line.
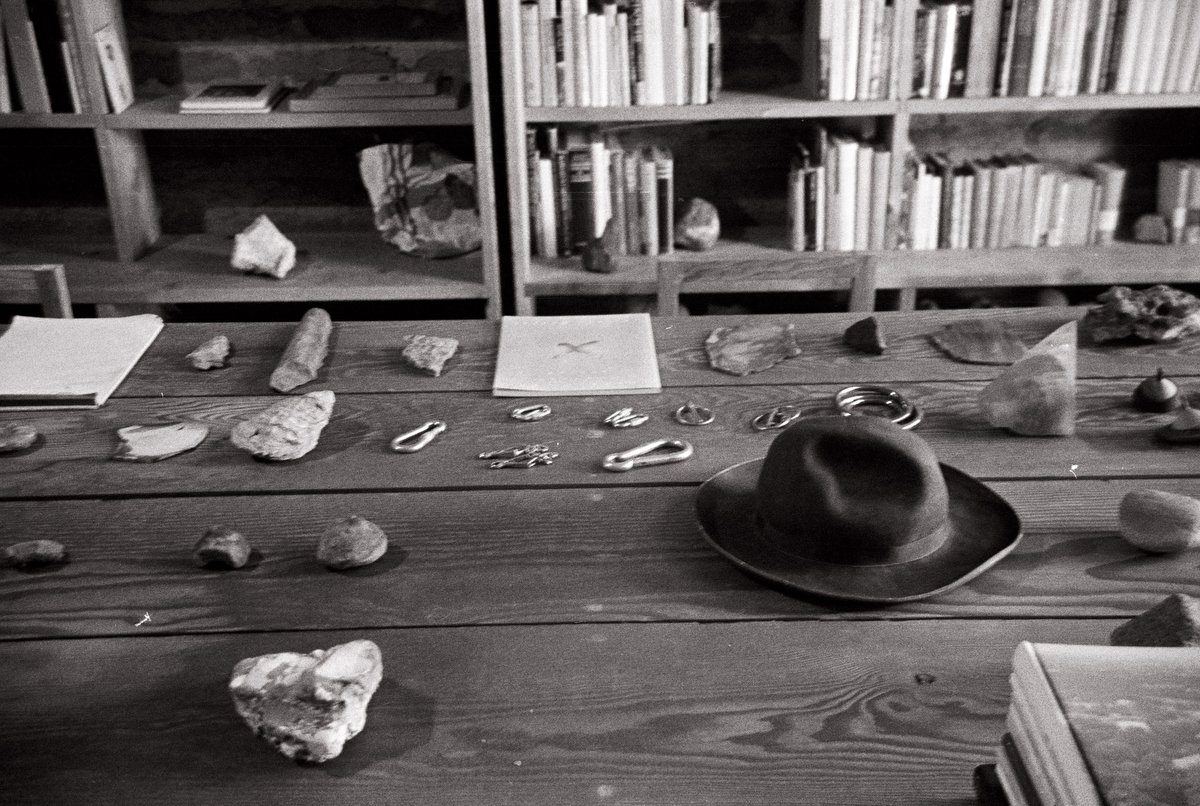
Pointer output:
x,y
70,363
576,355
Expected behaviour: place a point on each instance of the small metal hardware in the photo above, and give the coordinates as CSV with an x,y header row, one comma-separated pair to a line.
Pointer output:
x,y
691,414
778,417
626,418
530,414
416,439
514,451
897,408
520,456
650,453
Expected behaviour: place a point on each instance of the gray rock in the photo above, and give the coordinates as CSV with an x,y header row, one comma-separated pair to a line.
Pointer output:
x,y
213,354
350,543
699,227
750,348
153,443
286,430
1175,621
1151,228
428,354
221,546
262,249
33,554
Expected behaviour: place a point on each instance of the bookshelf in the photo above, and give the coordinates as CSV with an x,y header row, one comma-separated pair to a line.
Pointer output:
x,y
158,256
761,108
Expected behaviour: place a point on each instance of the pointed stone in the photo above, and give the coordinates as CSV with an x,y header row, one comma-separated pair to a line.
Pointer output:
x,y
428,354
865,336
262,249
1175,621
1036,395
212,354
153,443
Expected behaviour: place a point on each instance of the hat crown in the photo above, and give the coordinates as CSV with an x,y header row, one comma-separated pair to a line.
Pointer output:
x,y
853,491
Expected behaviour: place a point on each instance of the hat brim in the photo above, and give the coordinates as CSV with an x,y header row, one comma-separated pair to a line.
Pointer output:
x,y
982,529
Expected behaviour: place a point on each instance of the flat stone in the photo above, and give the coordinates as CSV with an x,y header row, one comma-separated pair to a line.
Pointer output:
x,y
285,430
984,341
865,336
307,706
1036,395
16,437
1184,429
153,443
1159,313
262,249
1175,621
699,227
428,354
223,547
351,543
32,554
750,348
213,354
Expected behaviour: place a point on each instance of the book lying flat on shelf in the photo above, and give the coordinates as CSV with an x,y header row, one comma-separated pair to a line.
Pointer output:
x,y
378,85
70,363
576,355
449,96
234,96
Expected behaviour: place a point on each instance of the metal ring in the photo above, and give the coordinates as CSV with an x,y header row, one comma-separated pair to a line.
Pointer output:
x,y
903,412
530,413
691,414
778,417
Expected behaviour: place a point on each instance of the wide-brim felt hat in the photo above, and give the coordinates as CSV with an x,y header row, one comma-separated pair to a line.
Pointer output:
x,y
977,527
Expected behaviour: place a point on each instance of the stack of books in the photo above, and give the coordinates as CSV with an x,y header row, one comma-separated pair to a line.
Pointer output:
x,y
1007,201
1092,725
847,50
580,182
242,97
400,91
620,52
838,194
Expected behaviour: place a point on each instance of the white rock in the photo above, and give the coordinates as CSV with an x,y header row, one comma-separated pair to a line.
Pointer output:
x,y
286,430
308,706
262,249
152,443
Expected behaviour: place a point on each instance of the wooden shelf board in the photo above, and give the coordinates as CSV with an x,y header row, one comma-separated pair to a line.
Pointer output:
x,y
730,105
162,113
44,120
195,268
1049,104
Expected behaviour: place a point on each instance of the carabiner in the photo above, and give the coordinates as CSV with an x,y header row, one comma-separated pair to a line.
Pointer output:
x,y
416,439
641,455
778,417
530,414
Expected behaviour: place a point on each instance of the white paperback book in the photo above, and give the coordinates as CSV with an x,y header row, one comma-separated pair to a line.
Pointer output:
x,y
70,363
576,355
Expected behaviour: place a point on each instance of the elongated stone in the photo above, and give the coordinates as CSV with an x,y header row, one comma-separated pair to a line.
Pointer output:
x,y
33,554
305,353
286,430
307,706
16,437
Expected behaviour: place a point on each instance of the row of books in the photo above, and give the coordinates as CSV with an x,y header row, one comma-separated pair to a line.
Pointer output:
x,y
45,67
1008,201
579,184
1092,725
838,195
1078,47
620,52
846,50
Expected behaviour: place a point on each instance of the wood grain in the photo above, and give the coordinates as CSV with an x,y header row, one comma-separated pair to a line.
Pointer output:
x,y
751,713
522,557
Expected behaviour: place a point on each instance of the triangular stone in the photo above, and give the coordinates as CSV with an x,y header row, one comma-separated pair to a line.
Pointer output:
x,y
1036,395
866,336
1175,621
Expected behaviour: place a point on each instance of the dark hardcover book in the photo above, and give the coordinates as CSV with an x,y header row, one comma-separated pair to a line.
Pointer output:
x,y
47,30
1027,13
940,165
450,96
988,790
984,41
616,192
30,79
814,53
1112,45
664,171
560,61
1004,48
579,190
75,61
531,171
562,197
1016,764
715,80
637,51
961,52
922,81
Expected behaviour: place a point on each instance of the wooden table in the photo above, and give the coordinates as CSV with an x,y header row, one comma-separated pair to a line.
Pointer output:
x,y
559,635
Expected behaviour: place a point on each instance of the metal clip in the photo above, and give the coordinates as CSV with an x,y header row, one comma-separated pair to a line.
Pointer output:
x,y
641,455
626,418
530,414
525,460
691,414
514,452
778,417
416,439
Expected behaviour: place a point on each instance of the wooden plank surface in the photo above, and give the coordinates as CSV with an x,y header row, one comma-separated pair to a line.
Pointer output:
x,y
365,355
522,557
1112,440
749,713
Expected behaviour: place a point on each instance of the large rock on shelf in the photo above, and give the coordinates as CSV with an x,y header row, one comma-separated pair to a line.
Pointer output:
x,y
288,429
698,227
1159,313
262,249
308,706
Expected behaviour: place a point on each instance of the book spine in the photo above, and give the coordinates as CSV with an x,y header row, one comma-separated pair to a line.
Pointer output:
x,y
1026,24
852,30
625,59
797,241
1144,56
715,79
982,47
837,50
664,170
880,53
864,166
1125,51
648,203
548,223
1163,50
921,69
1008,26
815,54
1059,44
637,50
6,100
652,34
633,242
698,53
73,56
601,197
612,47
866,47
881,171
563,203
597,47
960,51
815,196
616,189
26,63
847,182
531,63
1097,45
579,49
674,53
1040,54
980,203
579,190
548,56
1190,57
945,28
533,183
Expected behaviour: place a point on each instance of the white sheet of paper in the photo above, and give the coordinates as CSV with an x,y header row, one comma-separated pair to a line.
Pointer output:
x,y
70,363
576,355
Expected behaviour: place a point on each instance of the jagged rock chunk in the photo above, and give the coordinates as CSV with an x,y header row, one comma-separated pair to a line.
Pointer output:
x,y
1160,313
305,353
865,336
1175,621
750,348
212,354
1036,395
598,254
286,430
428,354
308,706
152,443
983,341
16,437
262,249
350,543
1151,228
699,227
33,554
221,546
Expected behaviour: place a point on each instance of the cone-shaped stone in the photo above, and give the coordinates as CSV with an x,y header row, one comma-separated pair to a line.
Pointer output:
x,y
1036,395
865,336
1175,621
